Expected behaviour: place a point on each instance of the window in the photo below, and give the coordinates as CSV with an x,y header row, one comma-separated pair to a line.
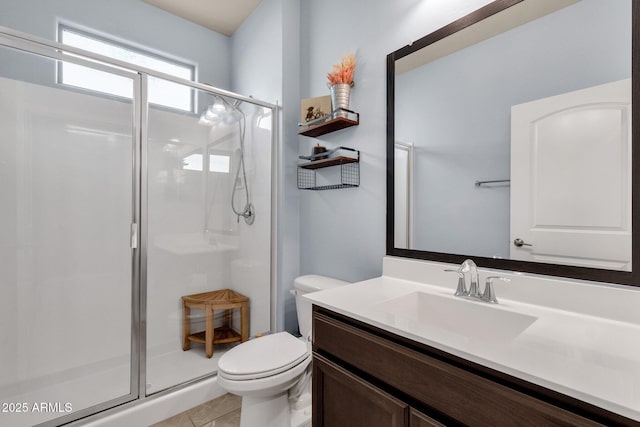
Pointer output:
x,y
217,163
161,92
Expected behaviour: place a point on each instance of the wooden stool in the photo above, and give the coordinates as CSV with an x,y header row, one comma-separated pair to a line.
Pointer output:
x,y
224,299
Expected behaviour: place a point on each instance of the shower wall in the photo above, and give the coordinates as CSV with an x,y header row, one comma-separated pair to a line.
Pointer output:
x,y
195,241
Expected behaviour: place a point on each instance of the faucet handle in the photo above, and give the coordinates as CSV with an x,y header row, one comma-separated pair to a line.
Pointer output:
x,y
489,295
462,287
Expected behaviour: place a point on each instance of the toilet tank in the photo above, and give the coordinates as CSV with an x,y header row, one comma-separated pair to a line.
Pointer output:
x,y
303,285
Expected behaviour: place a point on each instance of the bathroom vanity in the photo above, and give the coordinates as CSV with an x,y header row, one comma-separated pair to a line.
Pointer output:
x,y
366,377
386,355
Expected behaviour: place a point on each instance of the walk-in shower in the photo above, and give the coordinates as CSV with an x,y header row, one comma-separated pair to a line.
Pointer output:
x,y
111,210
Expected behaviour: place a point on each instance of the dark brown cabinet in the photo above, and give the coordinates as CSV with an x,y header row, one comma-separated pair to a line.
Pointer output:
x,y
418,419
343,399
365,376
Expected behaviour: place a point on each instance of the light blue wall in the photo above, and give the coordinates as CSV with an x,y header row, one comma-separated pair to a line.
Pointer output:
x,y
343,231
456,111
130,21
266,64
289,245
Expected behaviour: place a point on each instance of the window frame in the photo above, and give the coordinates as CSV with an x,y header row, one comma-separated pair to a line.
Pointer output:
x,y
62,27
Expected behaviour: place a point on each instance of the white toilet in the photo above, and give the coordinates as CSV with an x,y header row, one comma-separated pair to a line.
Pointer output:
x,y
273,373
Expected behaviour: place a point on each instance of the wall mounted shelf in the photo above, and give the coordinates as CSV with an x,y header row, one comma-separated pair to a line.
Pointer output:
x,y
329,123
349,171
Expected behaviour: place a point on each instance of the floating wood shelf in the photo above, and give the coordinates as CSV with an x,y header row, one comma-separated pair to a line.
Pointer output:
x,y
327,127
330,124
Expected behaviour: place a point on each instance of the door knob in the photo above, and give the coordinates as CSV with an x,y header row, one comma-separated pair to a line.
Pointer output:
x,y
520,243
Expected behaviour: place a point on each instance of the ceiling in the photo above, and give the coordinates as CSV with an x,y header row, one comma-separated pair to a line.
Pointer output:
x,y
222,16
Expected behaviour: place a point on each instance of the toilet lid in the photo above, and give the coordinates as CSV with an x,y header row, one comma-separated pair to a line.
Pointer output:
x,y
263,357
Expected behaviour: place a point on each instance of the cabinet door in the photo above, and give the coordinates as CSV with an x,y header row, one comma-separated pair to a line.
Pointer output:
x,y
342,399
418,419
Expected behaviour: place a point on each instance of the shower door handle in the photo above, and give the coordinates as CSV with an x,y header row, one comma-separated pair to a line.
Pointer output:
x,y
134,236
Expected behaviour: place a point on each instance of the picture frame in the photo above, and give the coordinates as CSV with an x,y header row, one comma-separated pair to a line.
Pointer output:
x,y
314,108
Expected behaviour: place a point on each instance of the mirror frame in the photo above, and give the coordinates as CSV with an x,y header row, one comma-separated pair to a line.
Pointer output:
x,y
567,271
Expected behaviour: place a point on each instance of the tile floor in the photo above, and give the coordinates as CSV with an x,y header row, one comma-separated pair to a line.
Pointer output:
x,y
221,412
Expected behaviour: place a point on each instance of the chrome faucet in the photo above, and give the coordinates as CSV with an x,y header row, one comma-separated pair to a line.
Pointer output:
x,y
470,269
468,266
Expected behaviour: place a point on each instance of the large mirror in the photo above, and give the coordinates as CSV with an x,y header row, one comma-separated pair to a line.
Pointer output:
x,y
510,136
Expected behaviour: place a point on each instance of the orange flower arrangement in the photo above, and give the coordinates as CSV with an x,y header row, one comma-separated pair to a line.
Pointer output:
x,y
343,72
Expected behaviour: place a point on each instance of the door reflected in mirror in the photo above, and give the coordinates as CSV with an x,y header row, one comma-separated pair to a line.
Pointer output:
x,y
512,138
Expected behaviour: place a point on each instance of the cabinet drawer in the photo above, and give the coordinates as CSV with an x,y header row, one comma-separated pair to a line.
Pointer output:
x,y
463,396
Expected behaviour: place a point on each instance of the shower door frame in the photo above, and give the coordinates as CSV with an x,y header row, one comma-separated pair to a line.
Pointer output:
x,y
139,239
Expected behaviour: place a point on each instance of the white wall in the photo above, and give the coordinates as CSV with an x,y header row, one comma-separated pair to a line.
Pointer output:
x,y
130,21
343,232
265,64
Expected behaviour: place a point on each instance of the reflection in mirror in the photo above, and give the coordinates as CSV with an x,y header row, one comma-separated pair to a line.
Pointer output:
x,y
403,191
521,137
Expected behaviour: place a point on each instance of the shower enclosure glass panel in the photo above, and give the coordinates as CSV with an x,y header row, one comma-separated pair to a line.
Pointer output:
x,y
66,211
201,234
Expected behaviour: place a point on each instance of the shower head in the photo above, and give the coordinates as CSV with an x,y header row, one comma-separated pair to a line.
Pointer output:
x,y
220,111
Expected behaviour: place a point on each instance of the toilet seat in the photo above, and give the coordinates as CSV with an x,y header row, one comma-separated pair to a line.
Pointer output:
x,y
263,357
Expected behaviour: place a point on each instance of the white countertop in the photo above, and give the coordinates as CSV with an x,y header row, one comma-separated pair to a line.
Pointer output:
x,y
592,357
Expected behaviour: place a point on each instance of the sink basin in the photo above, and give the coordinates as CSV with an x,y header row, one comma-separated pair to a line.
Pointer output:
x,y
471,320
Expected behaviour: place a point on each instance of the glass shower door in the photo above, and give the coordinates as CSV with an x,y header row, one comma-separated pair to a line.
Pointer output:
x,y
67,263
